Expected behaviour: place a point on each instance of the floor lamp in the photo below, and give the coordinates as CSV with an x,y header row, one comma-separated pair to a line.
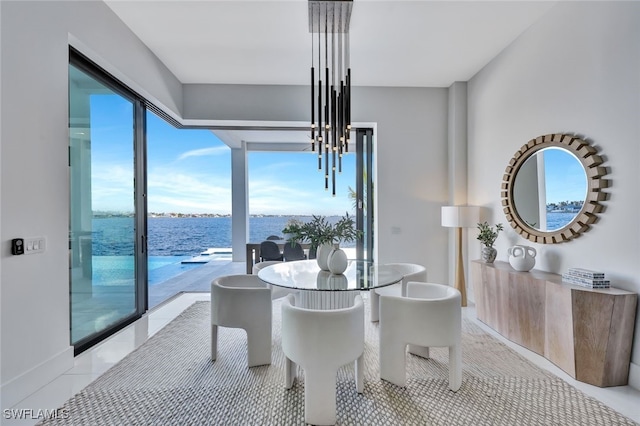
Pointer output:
x,y
460,217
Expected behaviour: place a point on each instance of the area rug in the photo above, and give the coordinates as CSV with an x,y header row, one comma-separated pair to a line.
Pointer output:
x,y
171,380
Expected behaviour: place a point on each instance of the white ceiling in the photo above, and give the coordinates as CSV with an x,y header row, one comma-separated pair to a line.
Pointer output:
x,y
393,43
416,43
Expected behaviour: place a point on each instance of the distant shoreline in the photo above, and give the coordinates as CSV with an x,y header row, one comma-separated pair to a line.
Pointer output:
x,y
178,236
106,215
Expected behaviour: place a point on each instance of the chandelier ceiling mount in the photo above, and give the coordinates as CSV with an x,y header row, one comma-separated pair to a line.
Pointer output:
x,y
331,85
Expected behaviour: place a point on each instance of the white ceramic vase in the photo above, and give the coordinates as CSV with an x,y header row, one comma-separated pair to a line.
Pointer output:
x,y
322,280
337,261
522,258
337,282
322,256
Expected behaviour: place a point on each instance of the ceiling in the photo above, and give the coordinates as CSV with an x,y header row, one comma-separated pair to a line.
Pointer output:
x,y
393,43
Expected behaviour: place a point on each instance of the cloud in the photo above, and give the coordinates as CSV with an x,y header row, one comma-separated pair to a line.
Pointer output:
x,y
173,190
270,196
204,152
111,187
193,193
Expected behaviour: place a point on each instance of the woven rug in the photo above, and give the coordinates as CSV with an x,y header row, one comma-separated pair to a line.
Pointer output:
x,y
171,380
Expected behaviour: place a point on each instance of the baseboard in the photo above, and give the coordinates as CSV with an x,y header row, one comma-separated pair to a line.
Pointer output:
x,y
27,383
634,376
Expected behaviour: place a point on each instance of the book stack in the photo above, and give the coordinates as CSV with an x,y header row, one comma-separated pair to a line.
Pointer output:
x,y
585,278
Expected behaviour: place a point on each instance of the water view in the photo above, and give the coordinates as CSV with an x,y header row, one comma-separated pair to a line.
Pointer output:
x,y
171,240
558,220
183,236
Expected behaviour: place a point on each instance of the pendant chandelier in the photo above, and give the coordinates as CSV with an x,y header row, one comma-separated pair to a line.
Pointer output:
x,y
331,85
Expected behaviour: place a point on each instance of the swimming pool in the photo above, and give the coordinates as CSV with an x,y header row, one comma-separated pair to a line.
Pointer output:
x,y
163,268
118,270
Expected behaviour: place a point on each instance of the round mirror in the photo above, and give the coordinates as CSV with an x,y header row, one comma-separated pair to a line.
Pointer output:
x,y
553,187
550,189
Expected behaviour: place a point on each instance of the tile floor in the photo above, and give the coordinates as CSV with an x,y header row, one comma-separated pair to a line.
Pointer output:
x,y
92,363
96,307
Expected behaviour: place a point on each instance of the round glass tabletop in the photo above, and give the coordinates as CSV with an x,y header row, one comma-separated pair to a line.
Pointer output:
x,y
306,275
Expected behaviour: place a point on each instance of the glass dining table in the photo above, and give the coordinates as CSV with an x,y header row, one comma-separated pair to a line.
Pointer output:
x,y
318,289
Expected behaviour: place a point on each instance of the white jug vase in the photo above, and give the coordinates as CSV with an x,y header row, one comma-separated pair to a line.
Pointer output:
x,y
337,261
522,258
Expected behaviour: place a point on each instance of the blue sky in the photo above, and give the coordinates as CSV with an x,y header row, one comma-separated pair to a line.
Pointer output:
x,y
564,176
189,170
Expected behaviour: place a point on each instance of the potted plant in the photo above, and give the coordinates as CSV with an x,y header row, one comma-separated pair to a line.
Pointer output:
x,y
487,237
322,236
345,230
316,232
292,224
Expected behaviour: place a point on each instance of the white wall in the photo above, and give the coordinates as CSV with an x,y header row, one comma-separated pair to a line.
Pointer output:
x,y
411,155
411,161
34,310
575,71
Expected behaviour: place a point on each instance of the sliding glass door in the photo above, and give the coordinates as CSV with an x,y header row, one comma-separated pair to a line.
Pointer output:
x,y
105,240
364,192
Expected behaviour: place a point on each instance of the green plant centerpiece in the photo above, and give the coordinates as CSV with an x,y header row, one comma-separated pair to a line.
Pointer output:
x,y
292,228
316,232
320,233
487,237
345,230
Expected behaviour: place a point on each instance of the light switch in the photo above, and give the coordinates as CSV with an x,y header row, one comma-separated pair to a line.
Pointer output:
x,y
34,245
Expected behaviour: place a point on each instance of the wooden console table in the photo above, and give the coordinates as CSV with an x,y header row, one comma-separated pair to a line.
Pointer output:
x,y
586,332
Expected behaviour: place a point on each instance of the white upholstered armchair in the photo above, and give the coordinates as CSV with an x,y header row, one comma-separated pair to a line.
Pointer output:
x,y
429,316
410,272
321,341
243,301
276,292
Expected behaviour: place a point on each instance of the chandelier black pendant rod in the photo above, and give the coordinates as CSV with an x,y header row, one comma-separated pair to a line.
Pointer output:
x,y
327,101
313,99
320,127
347,113
331,117
340,96
334,99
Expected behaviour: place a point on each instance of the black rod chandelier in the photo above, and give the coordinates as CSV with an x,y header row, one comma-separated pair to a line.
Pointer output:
x,y
331,89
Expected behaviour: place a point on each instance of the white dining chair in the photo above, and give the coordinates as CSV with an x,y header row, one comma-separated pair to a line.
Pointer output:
x,y
429,316
256,267
410,272
276,292
322,341
243,301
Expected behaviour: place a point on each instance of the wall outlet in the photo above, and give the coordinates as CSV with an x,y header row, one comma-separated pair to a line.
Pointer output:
x,y
35,245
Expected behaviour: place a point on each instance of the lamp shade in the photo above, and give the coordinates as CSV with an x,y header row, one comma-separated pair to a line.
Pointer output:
x,y
460,216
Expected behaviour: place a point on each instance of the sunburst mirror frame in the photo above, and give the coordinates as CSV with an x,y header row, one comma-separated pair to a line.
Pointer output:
x,y
592,164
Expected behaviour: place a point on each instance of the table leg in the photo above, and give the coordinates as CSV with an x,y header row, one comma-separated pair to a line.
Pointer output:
x,y
249,259
256,255
322,300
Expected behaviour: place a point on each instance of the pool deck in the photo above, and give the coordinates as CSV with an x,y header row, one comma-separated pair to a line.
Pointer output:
x,y
210,254
195,280
215,262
